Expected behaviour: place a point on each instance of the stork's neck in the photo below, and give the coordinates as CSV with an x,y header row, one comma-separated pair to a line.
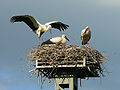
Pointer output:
x,y
63,41
39,23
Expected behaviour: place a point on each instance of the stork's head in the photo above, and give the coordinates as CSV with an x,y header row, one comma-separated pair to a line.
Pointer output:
x,y
86,29
64,36
48,27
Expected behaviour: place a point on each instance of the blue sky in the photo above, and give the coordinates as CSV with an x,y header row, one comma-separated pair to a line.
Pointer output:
x,y
16,39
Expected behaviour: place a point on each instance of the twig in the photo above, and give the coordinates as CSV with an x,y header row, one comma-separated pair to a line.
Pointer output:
x,y
32,70
46,77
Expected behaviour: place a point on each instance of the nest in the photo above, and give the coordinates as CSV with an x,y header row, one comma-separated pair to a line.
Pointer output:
x,y
65,55
70,55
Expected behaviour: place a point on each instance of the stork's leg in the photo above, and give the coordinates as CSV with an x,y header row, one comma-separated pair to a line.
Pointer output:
x,y
83,44
39,40
51,31
88,44
64,45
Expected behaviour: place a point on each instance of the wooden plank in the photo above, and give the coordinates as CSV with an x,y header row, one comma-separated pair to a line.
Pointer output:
x,y
60,66
51,66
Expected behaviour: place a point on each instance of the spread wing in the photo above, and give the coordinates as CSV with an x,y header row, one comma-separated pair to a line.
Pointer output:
x,y
58,25
29,20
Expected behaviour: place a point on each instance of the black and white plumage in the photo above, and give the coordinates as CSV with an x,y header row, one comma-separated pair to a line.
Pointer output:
x,y
85,36
56,40
38,28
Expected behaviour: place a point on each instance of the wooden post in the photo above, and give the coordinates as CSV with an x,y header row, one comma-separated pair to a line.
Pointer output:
x,y
71,83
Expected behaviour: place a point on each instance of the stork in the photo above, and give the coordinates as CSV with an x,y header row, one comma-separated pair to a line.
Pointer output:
x,y
85,36
38,28
56,40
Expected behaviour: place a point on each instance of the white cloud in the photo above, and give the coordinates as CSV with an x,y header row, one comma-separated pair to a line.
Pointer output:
x,y
107,3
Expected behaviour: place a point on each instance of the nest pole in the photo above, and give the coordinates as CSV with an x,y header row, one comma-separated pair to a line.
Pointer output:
x,y
71,83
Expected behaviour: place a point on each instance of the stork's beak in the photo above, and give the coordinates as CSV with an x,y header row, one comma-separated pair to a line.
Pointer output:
x,y
67,38
86,29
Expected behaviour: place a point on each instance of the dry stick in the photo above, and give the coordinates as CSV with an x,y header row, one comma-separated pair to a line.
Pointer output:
x,y
32,70
98,63
95,61
46,77
38,78
90,55
31,74
41,79
91,71
43,73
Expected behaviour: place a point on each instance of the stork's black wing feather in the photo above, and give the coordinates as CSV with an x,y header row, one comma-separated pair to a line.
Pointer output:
x,y
58,25
47,42
29,20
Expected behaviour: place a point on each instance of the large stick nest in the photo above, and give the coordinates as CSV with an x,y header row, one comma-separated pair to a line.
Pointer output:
x,y
52,55
65,55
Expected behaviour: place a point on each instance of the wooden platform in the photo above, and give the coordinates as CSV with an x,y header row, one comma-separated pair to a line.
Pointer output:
x,y
68,71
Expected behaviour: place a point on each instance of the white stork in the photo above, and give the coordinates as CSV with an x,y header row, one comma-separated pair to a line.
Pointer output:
x,y
85,36
36,27
56,40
